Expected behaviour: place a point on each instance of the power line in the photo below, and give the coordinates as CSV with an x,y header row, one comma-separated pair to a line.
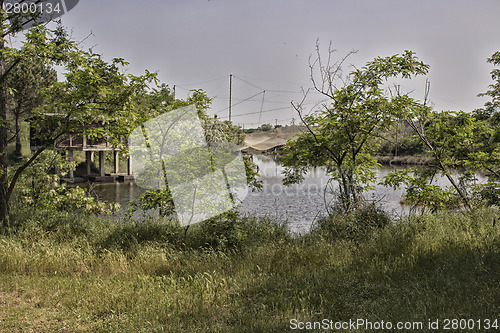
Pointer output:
x,y
251,113
246,99
253,85
276,81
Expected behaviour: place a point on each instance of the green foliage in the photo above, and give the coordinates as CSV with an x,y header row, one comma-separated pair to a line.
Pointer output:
x,y
266,127
26,83
454,139
131,235
489,193
93,92
399,140
230,230
217,131
340,135
493,106
55,265
421,189
356,226
226,232
152,200
221,138
406,146
39,43
40,187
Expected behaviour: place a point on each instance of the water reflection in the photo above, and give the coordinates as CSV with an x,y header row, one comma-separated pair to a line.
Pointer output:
x,y
299,204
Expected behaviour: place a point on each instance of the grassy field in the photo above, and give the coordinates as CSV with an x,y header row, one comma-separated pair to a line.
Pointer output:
x,y
73,273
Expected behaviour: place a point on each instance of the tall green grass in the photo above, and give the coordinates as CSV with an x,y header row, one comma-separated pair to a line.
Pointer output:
x,y
235,274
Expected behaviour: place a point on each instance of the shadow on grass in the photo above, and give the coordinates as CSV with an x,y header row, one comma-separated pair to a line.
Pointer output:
x,y
401,273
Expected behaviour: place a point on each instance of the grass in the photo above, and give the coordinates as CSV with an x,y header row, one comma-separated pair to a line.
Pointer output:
x,y
71,273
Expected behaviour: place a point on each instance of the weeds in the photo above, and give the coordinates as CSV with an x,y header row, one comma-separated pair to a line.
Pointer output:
x,y
71,273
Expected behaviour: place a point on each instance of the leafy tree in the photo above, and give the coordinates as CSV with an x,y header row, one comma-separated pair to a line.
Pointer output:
x,y
216,133
93,91
442,133
340,134
454,139
40,42
39,186
26,83
493,106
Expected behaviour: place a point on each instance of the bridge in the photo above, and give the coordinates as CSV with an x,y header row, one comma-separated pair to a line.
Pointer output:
x,y
266,140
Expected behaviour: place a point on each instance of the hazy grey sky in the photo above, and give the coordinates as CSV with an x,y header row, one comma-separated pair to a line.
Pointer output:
x,y
198,43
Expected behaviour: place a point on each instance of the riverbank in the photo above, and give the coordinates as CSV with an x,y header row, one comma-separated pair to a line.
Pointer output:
x,y
83,274
403,160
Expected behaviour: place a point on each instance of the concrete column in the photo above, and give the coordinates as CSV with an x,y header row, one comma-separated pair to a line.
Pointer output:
x,y
101,163
129,166
116,159
88,161
70,158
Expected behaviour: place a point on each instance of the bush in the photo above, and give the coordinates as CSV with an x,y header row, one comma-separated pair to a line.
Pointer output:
x,y
266,127
226,232
356,226
129,235
232,231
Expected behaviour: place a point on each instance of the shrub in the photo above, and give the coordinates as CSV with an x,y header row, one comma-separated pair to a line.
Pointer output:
x,y
357,225
233,231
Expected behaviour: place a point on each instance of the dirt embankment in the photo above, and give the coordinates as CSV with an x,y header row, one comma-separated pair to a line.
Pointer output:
x,y
403,160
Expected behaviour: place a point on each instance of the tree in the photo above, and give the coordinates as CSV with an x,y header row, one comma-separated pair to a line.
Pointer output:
x,y
38,42
26,82
493,107
39,187
191,162
93,91
469,140
340,134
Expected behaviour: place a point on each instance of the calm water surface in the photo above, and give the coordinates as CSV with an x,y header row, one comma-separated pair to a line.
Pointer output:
x,y
299,205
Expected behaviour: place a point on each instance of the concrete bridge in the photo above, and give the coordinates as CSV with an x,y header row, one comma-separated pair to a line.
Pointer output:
x,y
266,140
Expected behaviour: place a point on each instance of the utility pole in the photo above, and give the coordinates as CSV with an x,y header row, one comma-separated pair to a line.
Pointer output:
x,y
174,92
230,93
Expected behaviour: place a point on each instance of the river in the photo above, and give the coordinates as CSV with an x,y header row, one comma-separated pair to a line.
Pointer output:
x,y
298,205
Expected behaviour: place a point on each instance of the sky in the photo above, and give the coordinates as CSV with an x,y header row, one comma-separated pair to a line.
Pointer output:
x,y
266,45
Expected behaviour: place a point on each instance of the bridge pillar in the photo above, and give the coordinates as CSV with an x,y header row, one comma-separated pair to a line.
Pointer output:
x,y
101,163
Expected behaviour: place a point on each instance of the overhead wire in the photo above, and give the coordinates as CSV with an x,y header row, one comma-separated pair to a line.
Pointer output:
x,y
263,101
249,83
251,113
246,99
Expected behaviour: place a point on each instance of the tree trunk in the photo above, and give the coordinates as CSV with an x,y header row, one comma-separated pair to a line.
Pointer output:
x,y
4,183
19,146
